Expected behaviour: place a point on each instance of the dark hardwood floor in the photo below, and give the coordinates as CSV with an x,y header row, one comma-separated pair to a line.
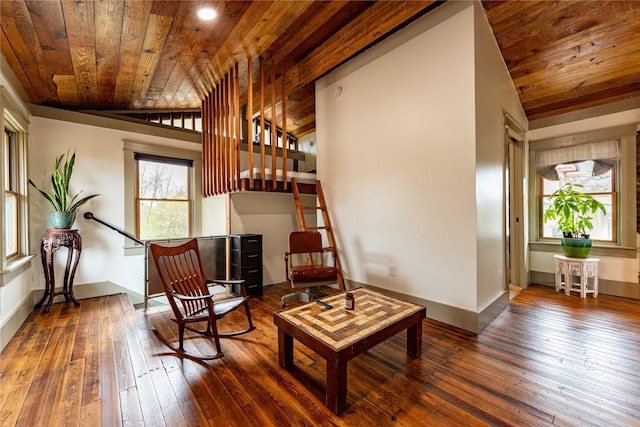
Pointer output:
x,y
548,359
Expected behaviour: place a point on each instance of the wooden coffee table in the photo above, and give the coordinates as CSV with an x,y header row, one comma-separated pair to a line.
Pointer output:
x,y
338,335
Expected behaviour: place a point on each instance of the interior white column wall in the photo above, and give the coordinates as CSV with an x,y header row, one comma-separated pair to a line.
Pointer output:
x,y
495,95
396,156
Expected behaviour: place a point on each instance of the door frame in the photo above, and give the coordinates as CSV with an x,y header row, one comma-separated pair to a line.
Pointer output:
x,y
515,244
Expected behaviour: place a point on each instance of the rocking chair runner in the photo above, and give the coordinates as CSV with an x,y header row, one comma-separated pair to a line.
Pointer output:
x,y
183,280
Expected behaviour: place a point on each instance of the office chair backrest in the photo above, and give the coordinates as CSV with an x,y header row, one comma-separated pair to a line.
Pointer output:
x,y
305,241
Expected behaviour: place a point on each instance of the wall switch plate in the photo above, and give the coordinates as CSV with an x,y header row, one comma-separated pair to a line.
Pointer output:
x,y
392,270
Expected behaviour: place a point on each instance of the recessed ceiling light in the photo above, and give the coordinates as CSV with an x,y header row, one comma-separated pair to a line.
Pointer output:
x,y
206,13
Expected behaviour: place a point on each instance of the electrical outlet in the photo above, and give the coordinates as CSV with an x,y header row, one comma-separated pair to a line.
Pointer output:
x,y
392,270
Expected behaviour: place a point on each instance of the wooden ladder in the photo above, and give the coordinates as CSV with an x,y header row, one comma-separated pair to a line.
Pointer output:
x,y
326,226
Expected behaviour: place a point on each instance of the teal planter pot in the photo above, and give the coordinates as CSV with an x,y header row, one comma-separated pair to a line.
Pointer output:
x,y
62,219
576,248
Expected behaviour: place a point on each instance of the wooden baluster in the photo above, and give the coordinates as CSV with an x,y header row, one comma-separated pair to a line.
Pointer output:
x,y
206,132
236,102
274,130
262,135
284,130
250,118
219,134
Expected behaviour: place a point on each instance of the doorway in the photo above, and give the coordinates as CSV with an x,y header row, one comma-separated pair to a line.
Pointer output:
x,y
514,178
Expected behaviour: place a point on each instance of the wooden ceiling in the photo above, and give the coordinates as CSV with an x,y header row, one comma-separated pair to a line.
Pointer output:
x,y
157,55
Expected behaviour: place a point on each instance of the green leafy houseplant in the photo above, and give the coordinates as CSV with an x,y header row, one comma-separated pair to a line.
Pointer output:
x,y
574,212
59,198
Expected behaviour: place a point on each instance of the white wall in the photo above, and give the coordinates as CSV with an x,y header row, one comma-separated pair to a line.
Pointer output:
x,y
99,168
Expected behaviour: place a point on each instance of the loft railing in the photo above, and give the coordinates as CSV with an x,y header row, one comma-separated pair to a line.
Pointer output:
x,y
89,215
222,119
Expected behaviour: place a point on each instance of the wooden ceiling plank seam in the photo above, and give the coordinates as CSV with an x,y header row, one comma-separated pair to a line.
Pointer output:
x,y
155,38
109,16
136,15
84,67
16,67
49,26
557,21
317,15
18,27
168,8
576,75
311,37
578,91
67,89
79,18
592,99
507,17
601,32
584,45
183,23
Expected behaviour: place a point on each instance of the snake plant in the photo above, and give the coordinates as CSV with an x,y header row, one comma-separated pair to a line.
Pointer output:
x,y
60,198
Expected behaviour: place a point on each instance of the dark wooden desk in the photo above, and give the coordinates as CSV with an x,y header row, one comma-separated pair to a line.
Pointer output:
x,y
338,335
51,242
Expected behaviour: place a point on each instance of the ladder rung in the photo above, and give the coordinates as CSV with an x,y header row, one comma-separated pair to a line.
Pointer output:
x,y
310,207
324,227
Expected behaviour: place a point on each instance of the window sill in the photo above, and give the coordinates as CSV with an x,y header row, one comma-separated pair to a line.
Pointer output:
x,y
13,267
596,250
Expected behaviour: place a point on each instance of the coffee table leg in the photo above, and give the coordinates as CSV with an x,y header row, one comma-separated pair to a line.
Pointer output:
x,y
285,349
337,386
414,339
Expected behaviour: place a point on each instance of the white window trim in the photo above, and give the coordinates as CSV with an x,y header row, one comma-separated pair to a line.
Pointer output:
x,y
16,120
130,176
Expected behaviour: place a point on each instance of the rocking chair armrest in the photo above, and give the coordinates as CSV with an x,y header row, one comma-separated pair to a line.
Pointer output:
x,y
190,298
224,282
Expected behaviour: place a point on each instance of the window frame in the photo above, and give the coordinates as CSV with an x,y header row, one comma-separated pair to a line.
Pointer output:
x,y
614,203
14,119
189,200
625,189
10,184
130,147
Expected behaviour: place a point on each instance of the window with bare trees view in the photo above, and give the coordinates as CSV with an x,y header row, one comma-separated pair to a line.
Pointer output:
x,y
163,197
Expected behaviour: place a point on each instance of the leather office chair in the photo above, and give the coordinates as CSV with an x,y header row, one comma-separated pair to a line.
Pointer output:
x,y
183,280
305,266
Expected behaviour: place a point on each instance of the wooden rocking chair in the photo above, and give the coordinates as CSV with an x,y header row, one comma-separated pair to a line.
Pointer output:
x,y
183,280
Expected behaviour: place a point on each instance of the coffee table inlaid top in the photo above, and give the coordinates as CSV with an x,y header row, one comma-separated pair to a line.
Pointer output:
x,y
338,327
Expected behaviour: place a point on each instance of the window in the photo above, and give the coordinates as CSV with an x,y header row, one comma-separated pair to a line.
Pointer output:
x,y
292,142
15,233
11,196
191,162
163,200
592,165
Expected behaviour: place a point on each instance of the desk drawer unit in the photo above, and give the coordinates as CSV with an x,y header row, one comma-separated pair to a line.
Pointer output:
x,y
246,262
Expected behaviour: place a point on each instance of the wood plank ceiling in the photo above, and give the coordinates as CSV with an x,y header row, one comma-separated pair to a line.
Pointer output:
x,y
157,55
